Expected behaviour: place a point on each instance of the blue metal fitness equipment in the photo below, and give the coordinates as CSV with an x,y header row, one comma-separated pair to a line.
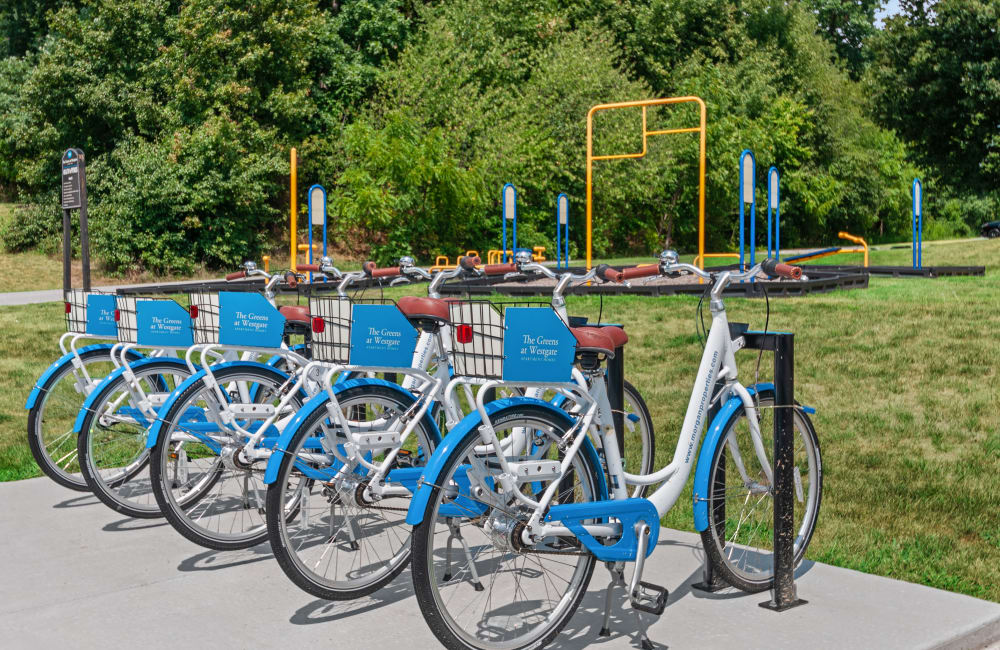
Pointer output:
x,y
773,205
917,223
508,201
748,193
317,217
562,228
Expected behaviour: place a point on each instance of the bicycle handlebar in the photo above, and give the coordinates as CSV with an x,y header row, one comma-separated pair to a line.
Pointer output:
x,y
631,273
469,262
236,276
500,269
313,268
774,268
387,272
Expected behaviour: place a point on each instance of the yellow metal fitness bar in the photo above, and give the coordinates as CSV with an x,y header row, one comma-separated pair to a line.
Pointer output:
x,y
700,129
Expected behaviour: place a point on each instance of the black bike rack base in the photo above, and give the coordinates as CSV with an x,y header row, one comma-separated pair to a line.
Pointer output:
x,y
898,271
817,281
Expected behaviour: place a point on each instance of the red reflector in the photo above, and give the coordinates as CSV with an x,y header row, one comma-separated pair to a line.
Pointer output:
x,y
118,315
68,308
319,325
463,333
193,310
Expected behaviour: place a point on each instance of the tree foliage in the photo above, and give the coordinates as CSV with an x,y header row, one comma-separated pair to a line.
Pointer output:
x,y
414,114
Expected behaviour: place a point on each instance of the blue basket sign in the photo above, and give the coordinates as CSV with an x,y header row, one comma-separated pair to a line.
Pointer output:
x,y
537,346
248,319
163,323
381,336
101,315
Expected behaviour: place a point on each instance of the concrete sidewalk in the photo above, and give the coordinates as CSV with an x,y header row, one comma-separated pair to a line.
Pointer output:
x,y
76,575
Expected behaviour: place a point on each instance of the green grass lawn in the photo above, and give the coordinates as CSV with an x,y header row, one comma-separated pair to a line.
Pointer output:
x,y
904,376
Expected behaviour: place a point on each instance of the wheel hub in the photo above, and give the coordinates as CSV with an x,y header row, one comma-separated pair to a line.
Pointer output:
x,y
505,531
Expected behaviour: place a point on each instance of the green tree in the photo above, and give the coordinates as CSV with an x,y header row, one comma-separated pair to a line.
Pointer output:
x,y
849,25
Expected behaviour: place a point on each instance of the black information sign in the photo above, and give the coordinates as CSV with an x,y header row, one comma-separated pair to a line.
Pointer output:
x,y
72,179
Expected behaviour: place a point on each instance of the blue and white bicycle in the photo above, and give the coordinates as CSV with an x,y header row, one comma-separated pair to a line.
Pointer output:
x,y
518,487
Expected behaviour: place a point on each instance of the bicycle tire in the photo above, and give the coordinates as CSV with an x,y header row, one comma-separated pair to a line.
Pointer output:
x,y
743,580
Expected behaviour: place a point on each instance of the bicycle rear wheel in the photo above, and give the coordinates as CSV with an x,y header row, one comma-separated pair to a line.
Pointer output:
x,y
477,585
739,538
640,439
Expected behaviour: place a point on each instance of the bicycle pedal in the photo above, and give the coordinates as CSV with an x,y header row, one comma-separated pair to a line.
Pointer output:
x,y
649,598
403,459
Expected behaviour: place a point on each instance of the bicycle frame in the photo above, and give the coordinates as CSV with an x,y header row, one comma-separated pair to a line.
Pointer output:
x,y
718,363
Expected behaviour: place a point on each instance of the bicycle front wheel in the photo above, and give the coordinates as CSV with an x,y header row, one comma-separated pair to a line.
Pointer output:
x,y
51,419
206,492
739,538
341,545
477,584
112,440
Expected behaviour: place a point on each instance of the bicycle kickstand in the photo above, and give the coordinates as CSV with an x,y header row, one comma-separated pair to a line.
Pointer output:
x,y
456,533
643,596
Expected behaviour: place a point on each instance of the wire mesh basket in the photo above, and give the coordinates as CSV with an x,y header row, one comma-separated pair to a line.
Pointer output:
x,y
477,333
332,317
331,326
127,317
204,310
76,310
89,312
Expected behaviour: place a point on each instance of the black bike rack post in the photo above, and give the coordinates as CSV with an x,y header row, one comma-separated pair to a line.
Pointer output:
x,y
616,396
784,594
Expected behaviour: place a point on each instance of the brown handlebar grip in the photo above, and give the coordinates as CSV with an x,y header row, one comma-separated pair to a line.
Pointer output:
x,y
499,269
639,272
469,262
236,276
387,272
314,268
788,271
608,273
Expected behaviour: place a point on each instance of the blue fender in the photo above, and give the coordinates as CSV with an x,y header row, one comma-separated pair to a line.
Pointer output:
x,y
154,432
469,426
90,403
708,446
319,402
67,358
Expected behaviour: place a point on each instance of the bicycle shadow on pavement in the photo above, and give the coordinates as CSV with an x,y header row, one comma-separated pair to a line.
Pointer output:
x,y
131,523
211,560
582,630
327,611
76,502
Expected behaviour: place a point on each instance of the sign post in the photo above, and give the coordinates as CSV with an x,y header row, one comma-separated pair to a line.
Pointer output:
x,y
748,193
74,197
774,205
508,197
317,217
562,229
918,223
